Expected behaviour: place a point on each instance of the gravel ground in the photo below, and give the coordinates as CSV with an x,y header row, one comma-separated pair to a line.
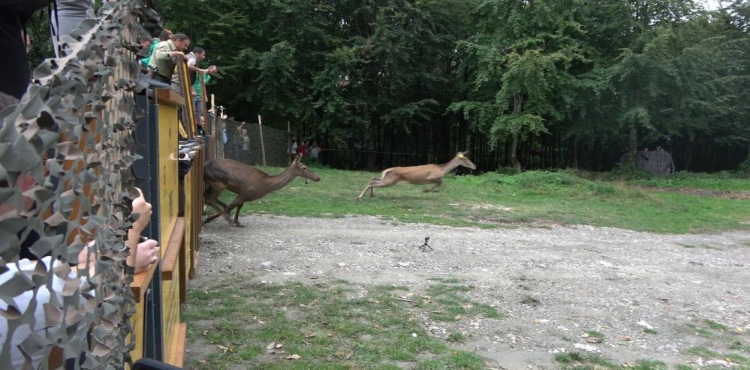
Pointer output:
x,y
552,283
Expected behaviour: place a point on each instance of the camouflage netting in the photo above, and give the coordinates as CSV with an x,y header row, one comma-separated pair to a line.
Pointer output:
x,y
275,144
86,99
658,162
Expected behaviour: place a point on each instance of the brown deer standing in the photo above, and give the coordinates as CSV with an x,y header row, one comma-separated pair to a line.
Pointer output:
x,y
249,183
418,175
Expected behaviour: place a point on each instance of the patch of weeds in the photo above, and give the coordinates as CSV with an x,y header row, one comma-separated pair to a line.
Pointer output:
x,y
446,281
598,361
443,303
737,359
739,346
456,337
688,246
595,334
650,331
575,360
683,367
707,353
441,289
569,358
456,360
715,325
390,288
701,351
251,352
650,365
700,331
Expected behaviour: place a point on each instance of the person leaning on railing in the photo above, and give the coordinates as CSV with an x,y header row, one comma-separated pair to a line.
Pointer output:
x,y
163,58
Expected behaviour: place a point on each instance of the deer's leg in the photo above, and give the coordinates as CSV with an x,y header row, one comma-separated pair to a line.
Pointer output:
x,y
237,216
236,203
374,183
435,188
369,186
212,199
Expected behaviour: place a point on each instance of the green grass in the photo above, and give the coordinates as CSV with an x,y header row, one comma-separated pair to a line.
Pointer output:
x,y
498,200
444,302
253,325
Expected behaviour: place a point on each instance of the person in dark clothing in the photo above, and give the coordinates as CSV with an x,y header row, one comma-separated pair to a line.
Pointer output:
x,y
15,73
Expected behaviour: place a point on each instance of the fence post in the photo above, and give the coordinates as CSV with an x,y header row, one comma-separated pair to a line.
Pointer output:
x,y
262,147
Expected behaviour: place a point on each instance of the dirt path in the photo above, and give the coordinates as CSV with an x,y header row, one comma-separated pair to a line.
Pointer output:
x,y
652,296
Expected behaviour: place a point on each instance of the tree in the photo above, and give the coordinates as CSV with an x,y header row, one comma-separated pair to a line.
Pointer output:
x,y
525,59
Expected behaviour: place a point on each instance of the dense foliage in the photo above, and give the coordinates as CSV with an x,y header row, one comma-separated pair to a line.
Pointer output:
x,y
523,83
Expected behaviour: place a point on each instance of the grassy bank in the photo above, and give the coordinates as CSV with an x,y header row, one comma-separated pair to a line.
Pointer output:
x,y
679,204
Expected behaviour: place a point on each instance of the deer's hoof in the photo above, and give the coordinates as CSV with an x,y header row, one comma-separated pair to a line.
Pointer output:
x,y
239,225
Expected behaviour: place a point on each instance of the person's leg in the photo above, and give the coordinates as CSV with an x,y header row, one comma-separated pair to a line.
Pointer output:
x,y
152,83
67,19
198,105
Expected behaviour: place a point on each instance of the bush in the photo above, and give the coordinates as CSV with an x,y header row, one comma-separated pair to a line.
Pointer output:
x,y
744,169
627,172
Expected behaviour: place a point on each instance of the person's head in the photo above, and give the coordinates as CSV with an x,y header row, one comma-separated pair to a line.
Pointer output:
x,y
244,131
165,35
201,120
212,69
200,53
181,41
145,41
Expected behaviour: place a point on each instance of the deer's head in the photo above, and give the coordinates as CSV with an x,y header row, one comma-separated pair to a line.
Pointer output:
x,y
302,171
463,160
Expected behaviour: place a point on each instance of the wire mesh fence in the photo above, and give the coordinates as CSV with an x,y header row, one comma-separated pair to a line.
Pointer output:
x,y
253,144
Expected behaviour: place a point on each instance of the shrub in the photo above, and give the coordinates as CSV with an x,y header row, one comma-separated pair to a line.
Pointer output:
x,y
627,172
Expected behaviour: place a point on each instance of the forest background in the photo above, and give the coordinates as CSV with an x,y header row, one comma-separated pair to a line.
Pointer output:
x,y
532,84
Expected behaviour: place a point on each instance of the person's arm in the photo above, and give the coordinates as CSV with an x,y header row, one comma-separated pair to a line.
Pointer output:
x,y
142,252
162,53
192,65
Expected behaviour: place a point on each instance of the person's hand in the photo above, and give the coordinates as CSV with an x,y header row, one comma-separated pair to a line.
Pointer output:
x,y
142,208
147,255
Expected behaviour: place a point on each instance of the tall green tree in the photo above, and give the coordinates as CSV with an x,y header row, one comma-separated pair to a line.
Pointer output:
x,y
526,62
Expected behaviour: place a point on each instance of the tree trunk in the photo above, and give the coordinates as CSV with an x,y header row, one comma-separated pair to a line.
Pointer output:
x,y
513,157
632,145
517,107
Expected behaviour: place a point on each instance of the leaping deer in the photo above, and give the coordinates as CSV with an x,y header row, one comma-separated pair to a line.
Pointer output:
x,y
418,175
249,183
